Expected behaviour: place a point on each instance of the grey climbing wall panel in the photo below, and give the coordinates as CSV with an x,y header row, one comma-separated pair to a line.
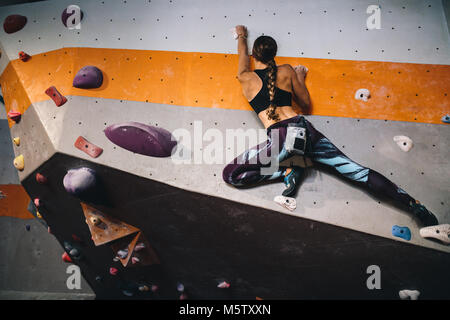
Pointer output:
x,y
323,196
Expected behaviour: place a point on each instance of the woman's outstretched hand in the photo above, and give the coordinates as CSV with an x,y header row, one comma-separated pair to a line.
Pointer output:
x,y
241,31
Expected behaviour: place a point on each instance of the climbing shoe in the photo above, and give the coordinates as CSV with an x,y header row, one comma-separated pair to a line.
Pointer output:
x,y
292,182
425,216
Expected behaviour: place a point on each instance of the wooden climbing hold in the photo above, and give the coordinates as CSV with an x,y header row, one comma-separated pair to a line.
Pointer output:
x,y
66,257
16,141
57,97
24,56
88,147
14,116
19,162
113,271
41,179
14,23
38,215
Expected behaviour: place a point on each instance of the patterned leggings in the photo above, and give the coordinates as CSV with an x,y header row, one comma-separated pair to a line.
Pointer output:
x,y
245,170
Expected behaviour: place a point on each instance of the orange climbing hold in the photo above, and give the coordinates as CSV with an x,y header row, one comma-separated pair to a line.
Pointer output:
x,y
24,56
57,97
87,147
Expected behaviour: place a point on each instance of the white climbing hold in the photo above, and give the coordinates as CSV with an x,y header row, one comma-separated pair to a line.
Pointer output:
x,y
234,33
409,294
362,94
440,232
286,202
139,247
446,118
404,142
122,254
223,285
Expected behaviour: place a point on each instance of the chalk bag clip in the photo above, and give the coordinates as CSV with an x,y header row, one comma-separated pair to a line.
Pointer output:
x,y
296,139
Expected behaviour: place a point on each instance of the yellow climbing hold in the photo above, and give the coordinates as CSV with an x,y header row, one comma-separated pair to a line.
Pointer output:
x,y
19,162
16,141
38,215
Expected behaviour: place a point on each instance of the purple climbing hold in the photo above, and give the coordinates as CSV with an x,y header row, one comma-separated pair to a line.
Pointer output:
x,y
14,23
89,77
77,181
141,138
65,16
28,227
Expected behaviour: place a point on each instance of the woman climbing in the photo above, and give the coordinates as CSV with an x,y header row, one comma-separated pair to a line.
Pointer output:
x,y
269,90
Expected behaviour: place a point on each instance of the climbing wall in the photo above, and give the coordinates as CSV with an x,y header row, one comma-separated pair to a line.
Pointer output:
x,y
172,66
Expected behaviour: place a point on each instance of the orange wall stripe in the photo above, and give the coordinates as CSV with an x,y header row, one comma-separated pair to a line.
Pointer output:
x,y
400,91
15,203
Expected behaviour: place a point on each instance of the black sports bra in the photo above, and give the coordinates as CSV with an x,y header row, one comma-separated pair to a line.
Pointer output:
x,y
262,100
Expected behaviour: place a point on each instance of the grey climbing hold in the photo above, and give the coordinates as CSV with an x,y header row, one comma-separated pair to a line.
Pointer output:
x,y
98,278
88,77
409,294
2,195
446,118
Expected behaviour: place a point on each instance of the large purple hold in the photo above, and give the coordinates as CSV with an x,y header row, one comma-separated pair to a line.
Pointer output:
x,y
141,138
14,23
79,181
65,16
88,77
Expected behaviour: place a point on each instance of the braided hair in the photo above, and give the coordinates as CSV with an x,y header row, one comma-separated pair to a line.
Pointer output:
x,y
265,50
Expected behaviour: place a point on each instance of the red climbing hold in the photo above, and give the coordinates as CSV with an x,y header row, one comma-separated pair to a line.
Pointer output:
x,y
23,56
76,238
87,147
66,257
14,116
113,271
14,23
37,202
57,97
223,285
41,179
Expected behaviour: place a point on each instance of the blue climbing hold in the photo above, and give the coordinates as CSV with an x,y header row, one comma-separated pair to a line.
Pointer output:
x,y
401,232
446,118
